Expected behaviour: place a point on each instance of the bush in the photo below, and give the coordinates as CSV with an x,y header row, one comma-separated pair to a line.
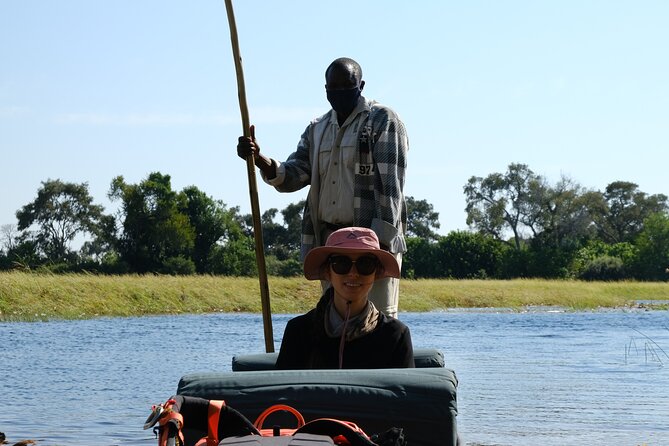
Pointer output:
x,y
420,259
237,258
290,268
111,263
56,268
606,268
178,266
596,249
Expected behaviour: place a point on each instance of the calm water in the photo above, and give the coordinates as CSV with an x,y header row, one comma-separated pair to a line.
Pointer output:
x,y
535,378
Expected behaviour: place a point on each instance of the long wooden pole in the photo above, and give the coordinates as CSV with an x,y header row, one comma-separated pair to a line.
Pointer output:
x,y
253,189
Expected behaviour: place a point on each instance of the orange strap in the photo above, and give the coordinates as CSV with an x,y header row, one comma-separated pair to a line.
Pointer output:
x,y
276,408
213,416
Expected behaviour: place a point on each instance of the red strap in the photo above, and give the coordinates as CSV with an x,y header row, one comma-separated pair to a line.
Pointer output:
x,y
213,415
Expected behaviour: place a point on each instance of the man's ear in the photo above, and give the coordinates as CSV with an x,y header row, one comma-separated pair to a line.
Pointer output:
x,y
325,272
362,85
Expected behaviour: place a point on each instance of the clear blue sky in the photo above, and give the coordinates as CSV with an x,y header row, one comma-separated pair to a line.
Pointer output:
x,y
93,89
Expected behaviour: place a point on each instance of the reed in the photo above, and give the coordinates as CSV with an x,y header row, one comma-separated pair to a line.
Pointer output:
x,y
26,296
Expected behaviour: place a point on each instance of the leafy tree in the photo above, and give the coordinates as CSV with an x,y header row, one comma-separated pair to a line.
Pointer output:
x,y
154,229
561,226
61,212
234,253
233,257
211,221
104,240
282,240
548,225
275,235
622,209
562,216
421,219
292,217
652,261
9,235
25,253
500,203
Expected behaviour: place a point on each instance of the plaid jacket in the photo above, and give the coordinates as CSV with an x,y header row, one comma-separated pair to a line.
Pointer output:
x,y
381,163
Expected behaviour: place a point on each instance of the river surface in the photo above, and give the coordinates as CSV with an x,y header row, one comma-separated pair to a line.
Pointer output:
x,y
540,377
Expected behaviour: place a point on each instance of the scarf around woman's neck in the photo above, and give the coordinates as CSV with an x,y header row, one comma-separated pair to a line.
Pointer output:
x,y
357,326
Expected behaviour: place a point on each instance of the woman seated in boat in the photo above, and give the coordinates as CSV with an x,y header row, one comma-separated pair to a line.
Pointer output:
x,y
345,330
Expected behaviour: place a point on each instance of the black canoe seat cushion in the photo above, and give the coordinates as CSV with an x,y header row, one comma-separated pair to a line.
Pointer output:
x,y
423,357
422,401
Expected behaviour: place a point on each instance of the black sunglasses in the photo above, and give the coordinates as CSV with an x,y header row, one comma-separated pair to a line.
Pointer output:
x,y
365,265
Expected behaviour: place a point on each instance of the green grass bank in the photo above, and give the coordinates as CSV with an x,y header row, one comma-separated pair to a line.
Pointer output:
x,y
32,297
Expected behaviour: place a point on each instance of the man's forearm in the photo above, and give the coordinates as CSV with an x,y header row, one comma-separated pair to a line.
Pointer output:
x,y
266,166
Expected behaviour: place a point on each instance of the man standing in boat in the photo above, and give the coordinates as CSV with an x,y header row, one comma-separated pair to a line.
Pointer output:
x,y
354,159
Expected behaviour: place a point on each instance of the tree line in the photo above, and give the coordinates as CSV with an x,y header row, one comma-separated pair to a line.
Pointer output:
x,y
520,225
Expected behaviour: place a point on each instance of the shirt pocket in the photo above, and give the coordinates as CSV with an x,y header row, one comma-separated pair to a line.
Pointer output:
x,y
324,155
349,144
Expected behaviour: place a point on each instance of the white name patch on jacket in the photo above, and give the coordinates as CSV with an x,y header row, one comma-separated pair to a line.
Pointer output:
x,y
364,169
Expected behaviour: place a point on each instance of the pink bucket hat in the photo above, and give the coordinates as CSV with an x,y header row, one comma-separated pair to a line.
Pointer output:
x,y
348,241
